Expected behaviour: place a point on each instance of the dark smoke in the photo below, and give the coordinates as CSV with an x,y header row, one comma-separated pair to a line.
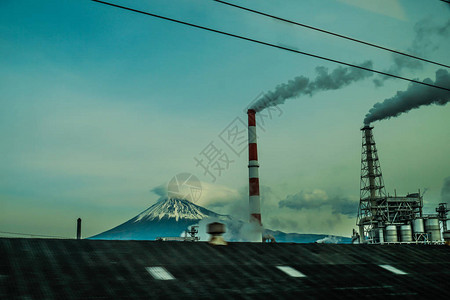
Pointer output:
x,y
422,44
415,96
338,78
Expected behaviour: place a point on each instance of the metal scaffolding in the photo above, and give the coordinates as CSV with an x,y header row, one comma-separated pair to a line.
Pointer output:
x,y
404,209
373,208
442,211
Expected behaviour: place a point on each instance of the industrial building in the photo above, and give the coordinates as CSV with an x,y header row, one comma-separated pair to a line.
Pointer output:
x,y
383,218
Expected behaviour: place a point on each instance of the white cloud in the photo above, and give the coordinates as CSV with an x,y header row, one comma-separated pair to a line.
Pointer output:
x,y
215,195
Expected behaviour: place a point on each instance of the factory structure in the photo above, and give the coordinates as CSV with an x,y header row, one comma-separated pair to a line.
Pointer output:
x,y
383,218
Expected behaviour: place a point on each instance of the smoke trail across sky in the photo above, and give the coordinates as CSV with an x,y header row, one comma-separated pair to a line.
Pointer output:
x,y
415,96
301,85
426,40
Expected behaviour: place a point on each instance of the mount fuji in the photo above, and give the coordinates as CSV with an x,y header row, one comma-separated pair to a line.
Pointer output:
x,y
168,217
171,217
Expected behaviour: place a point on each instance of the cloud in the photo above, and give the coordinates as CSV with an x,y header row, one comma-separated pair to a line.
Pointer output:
x,y
425,31
317,199
319,221
422,45
445,191
213,196
160,190
217,196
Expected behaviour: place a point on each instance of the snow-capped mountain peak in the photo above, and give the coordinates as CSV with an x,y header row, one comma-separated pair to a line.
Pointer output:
x,y
172,208
171,217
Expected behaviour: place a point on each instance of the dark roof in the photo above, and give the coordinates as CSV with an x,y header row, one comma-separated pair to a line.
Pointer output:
x,y
83,269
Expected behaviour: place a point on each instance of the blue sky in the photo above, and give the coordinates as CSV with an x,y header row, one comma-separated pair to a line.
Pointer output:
x,y
99,106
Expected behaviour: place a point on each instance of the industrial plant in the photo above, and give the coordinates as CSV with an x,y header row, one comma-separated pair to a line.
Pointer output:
x,y
383,218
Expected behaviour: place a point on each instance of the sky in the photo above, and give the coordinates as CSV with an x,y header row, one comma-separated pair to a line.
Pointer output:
x,y
101,108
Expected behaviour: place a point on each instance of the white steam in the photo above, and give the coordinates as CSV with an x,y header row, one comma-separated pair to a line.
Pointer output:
x,y
236,231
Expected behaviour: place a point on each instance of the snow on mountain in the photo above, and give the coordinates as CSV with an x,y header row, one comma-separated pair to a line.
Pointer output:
x,y
174,208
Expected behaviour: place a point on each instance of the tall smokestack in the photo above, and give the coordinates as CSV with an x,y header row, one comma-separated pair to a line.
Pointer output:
x,y
253,177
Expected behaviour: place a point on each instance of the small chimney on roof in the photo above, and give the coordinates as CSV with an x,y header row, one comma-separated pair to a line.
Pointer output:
x,y
216,230
79,228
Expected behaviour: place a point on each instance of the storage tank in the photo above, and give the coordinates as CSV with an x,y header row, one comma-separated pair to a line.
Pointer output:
x,y
378,235
381,235
446,235
391,234
406,233
432,227
418,225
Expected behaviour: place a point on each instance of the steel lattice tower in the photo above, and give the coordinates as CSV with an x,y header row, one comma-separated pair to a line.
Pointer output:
x,y
373,210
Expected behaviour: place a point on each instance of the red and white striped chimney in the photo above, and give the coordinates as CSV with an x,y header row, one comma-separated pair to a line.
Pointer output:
x,y
253,177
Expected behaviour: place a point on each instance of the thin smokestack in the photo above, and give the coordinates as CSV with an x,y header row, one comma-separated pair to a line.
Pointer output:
x,y
324,81
253,175
414,97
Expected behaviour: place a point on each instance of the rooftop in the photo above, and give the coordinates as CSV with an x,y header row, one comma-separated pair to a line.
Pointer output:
x,y
84,269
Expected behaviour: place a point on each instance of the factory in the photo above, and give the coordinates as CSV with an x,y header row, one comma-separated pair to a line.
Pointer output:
x,y
383,218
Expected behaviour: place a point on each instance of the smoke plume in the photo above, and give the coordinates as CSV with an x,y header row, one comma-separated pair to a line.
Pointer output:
x,y
236,230
415,96
422,44
336,79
